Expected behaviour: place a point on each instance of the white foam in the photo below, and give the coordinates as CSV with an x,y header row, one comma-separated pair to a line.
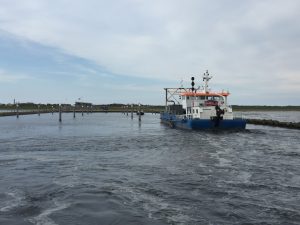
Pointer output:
x,y
15,199
43,218
153,204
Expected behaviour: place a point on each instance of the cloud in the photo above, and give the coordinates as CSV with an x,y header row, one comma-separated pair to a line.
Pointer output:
x,y
243,43
6,77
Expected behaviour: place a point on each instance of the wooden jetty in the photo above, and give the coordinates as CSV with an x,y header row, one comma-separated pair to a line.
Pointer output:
x,y
263,122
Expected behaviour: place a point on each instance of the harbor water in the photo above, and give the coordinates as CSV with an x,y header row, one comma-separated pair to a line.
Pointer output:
x,y
104,168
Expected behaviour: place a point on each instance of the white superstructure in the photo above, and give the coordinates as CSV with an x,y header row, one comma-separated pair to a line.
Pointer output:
x,y
205,104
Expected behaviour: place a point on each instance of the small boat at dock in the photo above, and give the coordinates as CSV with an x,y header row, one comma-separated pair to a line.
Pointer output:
x,y
199,109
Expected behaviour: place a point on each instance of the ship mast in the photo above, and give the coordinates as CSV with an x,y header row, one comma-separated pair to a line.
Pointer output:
x,y
206,78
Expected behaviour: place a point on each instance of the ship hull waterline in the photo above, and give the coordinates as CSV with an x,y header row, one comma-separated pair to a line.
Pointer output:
x,y
202,124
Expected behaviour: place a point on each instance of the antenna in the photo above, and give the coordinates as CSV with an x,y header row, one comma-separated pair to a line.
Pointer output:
x,y
206,78
181,83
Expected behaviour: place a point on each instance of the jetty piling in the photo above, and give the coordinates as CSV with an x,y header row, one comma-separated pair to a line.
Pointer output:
x,y
132,111
39,113
59,114
17,110
74,113
140,116
82,110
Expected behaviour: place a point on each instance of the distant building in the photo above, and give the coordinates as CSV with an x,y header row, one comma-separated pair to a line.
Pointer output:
x,y
83,104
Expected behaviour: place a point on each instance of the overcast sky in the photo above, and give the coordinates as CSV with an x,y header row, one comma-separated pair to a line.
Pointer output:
x,y
127,51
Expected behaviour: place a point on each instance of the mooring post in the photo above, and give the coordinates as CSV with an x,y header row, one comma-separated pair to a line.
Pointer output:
x,y
17,110
82,110
39,110
60,113
127,110
131,111
140,116
52,109
74,111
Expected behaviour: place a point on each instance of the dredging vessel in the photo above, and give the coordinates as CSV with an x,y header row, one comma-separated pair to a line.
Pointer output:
x,y
199,108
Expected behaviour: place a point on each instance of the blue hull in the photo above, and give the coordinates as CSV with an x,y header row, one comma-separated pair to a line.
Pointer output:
x,y
201,124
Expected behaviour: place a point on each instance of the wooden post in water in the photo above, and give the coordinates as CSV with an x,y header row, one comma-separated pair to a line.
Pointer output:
x,y
82,110
59,113
17,110
52,109
140,116
39,110
132,111
74,111
127,110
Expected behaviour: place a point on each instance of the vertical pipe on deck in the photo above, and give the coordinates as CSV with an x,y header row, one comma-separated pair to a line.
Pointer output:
x,y
166,104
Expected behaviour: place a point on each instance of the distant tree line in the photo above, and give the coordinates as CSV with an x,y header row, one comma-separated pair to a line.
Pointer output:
x,y
122,107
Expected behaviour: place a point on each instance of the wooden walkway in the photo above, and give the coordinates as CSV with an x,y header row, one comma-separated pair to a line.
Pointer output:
x,y
264,122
